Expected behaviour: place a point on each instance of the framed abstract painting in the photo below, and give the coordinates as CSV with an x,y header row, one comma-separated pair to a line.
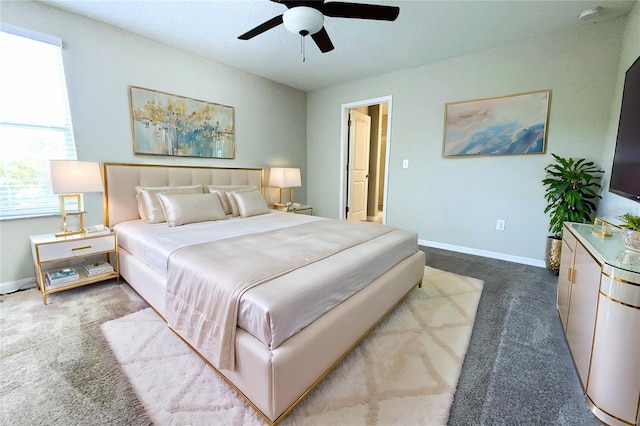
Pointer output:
x,y
506,125
166,124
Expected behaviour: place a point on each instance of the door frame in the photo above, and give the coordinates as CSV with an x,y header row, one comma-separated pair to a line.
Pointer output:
x,y
344,137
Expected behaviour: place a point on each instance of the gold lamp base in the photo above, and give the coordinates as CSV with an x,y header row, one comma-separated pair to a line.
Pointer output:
x,y
601,227
280,194
75,200
279,206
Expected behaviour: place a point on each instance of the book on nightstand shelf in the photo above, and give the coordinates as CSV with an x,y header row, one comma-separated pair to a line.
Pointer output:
x,y
61,276
97,268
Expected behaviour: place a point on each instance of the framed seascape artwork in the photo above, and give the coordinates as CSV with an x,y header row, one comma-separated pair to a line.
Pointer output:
x,y
166,124
507,125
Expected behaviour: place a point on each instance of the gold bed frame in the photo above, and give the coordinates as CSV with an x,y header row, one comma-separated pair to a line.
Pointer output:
x,y
287,411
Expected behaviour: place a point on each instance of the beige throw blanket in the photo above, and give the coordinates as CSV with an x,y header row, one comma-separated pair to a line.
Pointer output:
x,y
206,281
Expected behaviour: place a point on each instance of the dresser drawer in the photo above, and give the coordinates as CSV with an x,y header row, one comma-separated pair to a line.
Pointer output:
x,y
69,249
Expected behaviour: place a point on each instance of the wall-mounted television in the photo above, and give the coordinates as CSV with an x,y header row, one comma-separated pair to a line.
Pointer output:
x,y
625,173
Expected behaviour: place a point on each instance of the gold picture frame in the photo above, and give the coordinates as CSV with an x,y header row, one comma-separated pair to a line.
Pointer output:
x,y
506,125
167,124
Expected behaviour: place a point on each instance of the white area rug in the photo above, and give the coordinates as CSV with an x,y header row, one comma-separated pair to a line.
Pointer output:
x,y
405,372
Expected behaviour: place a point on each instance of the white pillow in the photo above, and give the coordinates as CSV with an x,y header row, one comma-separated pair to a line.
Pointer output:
x,y
180,209
148,204
228,202
232,200
141,209
250,203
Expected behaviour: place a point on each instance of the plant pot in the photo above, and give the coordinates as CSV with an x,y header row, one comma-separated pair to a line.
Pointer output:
x,y
552,253
631,239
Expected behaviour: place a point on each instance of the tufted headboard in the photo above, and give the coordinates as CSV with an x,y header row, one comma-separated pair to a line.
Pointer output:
x,y
120,180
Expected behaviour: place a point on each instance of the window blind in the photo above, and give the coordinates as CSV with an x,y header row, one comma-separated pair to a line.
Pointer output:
x,y
35,122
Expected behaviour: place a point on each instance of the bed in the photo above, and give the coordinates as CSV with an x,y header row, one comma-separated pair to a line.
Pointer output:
x,y
305,304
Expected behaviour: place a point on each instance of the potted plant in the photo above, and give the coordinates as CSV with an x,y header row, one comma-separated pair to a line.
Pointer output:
x,y
571,187
630,231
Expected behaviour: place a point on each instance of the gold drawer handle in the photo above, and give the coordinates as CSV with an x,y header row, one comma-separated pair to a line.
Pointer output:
x,y
81,248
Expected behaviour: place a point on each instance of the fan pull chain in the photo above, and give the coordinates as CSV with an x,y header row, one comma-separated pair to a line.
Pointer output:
x,y
302,48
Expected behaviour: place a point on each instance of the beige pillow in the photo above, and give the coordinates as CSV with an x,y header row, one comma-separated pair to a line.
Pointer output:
x,y
141,207
227,201
250,203
232,200
180,209
149,205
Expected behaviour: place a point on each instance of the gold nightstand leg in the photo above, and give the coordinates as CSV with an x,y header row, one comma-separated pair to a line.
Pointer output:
x,y
40,285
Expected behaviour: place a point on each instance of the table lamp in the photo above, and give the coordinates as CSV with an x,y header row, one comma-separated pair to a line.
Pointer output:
x,y
70,179
283,178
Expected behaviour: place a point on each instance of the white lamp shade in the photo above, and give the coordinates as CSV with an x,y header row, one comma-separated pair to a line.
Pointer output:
x,y
284,177
75,177
303,20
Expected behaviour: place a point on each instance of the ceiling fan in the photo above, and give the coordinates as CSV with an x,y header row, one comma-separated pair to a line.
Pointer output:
x,y
307,18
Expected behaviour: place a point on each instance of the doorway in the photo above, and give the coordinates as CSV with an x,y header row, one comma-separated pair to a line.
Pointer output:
x,y
364,177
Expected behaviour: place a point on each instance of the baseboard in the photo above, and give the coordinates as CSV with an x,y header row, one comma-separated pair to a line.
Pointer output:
x,y
25,283
11,286
484,253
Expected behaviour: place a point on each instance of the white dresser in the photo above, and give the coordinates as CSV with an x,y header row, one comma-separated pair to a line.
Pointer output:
x,y
599,306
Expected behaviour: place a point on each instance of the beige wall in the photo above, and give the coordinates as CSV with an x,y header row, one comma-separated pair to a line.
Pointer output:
x,y
455,202
101,61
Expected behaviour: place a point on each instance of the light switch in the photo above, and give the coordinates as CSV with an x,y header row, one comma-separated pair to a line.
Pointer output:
x,y
405,164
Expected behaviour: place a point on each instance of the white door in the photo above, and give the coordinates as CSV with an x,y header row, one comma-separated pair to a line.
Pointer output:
x,y
359,133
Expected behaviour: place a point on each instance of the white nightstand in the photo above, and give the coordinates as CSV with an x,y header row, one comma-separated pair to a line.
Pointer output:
x,y
51,253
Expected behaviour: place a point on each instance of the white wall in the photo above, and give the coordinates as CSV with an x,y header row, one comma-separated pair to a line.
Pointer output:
x,y
101,61
455,202
612,204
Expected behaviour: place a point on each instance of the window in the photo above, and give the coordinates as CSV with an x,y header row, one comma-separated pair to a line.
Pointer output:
x,y
35,124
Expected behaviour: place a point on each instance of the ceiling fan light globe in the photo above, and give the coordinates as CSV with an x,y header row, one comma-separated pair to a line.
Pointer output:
x,y
303,19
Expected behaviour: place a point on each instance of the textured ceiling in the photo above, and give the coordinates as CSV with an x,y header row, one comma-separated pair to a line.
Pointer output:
x,y
425,32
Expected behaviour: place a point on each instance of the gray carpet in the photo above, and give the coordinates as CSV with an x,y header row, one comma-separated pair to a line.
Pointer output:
x,y
56,368
518,369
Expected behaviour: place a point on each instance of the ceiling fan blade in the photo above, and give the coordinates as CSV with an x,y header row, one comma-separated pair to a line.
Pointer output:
x,y
360,11
293,3
323,41
271,23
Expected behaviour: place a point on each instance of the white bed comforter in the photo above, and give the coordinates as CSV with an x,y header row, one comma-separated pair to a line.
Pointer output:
x,y
206,281
263,310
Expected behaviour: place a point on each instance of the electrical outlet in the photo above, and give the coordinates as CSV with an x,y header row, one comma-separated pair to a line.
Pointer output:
x,y
500,225
405,164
